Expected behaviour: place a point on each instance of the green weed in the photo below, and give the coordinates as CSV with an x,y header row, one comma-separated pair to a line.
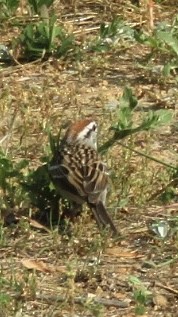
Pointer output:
x,y
164,40
110,35
125,124
37,5
8,8
3,235
45,38
10,175
5,301
141,294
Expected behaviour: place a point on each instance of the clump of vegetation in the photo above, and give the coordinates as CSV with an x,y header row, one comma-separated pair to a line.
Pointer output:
x,y
8,8
164,41
45,38
18,181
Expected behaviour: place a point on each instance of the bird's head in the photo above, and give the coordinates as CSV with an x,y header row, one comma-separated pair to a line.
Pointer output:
x,y
84,131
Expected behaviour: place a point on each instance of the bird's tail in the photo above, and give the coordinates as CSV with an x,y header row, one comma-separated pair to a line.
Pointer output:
x,y
102,218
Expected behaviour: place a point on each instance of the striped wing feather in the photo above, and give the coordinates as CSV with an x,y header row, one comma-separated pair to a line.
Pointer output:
x,y
79,169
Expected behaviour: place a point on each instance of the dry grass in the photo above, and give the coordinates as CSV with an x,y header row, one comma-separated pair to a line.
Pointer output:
x,y
44,273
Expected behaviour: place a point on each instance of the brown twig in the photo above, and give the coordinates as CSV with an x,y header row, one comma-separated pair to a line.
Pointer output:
x,y
168,288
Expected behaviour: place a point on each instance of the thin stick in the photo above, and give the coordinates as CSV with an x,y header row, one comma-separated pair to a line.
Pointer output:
x,y
113,140
168,288
82,300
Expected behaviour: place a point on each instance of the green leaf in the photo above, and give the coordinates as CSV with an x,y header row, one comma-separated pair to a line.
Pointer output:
x,y
5,299
54,30
146,39
156,119
128,99
127,104
164,116
169,39
117,28
12,4
134,280
29,31
140,295
34,5
168,67
44,37
66,45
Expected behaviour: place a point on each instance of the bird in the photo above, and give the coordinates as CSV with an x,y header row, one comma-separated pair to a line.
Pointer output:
x,y
79,174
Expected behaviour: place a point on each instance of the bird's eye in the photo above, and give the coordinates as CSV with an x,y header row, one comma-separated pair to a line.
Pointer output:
x,y
94,128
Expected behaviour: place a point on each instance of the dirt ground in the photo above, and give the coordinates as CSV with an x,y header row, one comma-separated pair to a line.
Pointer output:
x,y
46,273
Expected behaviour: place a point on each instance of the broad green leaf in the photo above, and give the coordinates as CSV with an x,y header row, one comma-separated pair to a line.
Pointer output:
x,y
169,39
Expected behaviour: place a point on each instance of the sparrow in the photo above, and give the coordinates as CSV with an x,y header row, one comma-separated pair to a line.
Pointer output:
x,y
78,173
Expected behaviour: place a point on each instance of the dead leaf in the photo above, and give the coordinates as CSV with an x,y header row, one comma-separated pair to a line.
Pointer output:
x,y
37,225
38,265
123,252
120,295
160,300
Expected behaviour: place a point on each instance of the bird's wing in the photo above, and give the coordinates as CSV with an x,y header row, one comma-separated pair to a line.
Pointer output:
x,y
95,180
81,172
95,177
66,175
